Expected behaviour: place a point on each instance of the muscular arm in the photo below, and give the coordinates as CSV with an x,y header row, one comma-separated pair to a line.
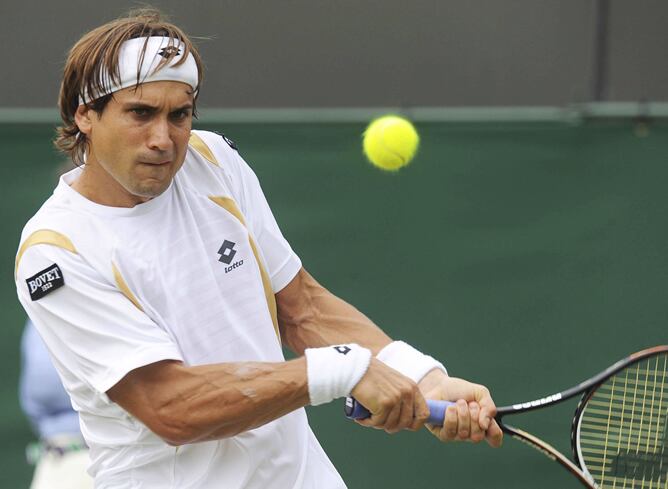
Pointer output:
x,y
189,404
311,316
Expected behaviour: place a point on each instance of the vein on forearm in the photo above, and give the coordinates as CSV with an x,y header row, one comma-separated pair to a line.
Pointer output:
x,y
311,316
250,394
188,404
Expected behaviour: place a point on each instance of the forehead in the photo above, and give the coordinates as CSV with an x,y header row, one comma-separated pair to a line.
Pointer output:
x,y
156,93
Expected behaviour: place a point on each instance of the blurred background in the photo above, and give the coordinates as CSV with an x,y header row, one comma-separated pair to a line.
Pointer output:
x,y
526,245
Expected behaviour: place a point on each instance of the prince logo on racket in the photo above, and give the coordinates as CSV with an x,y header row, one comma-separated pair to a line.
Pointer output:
x,y
634,463
620,429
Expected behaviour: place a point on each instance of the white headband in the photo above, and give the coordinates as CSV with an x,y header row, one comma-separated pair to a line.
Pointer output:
x,y
129,57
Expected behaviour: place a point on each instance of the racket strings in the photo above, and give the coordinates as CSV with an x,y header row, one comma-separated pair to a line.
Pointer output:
x,y
623,429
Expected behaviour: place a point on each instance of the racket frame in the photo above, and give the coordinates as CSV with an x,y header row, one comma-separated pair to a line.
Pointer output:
x,y
587,387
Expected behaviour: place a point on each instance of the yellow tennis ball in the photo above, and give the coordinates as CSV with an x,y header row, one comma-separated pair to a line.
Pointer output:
x,y
390,142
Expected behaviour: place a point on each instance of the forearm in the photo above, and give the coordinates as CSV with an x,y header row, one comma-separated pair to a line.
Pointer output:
x,y
189,404
311,316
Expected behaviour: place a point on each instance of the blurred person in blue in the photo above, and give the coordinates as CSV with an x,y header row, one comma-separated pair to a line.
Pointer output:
x,y
61,455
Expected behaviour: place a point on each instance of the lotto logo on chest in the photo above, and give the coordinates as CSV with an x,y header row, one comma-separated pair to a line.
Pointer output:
x,y
45,282
227,254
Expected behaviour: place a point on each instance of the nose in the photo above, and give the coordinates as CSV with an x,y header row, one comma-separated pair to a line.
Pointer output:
x,y
159,135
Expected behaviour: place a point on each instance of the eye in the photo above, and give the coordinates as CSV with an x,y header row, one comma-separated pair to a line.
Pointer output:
x,y
140,111
179,115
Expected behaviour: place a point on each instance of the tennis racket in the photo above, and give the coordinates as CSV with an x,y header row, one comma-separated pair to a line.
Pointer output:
x,y
619,433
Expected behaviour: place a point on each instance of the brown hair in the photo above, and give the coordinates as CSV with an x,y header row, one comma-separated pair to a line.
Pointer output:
x,y
95,54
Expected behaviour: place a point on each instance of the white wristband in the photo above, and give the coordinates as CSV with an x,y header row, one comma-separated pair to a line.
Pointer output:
x,y
405,359
333,371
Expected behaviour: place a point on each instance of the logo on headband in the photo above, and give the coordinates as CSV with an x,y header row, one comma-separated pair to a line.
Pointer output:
x,y
169,52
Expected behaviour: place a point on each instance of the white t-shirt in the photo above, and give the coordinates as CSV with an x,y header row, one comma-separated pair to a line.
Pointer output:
x,y
189,275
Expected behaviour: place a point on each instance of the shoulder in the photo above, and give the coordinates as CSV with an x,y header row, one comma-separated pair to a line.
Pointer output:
x,y
213,161
217,149
58,229
52,225
59,217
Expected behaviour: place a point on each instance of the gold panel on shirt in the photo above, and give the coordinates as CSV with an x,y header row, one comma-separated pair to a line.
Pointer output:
x,y
44,236
200,146
230,206
54,238
123,286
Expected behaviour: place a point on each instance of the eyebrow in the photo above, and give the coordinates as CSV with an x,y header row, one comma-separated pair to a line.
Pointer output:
x,y
187,106
144,105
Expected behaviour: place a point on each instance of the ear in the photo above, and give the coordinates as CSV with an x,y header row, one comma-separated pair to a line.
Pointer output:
x,y
83,119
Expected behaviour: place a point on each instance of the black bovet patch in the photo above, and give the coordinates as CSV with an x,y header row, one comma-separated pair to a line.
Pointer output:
x,y
45,282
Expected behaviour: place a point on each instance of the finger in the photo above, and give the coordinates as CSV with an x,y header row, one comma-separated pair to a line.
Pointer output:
x,y
420,411
487,408
477,433
366,422
407,411
392,422
494,435
449,430
378,419
463,420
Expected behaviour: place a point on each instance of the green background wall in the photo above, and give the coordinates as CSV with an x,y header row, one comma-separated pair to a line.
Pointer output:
x,y
351,53
525,256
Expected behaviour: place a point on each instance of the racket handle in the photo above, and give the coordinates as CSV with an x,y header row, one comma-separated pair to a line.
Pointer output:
x,y
354,410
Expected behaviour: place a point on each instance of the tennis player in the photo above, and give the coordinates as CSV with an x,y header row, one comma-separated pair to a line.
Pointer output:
x,y
163,288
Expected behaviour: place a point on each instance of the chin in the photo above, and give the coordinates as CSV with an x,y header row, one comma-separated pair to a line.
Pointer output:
x,y
150,190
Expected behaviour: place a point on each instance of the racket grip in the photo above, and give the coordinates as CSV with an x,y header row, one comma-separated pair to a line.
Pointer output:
x,y
354,410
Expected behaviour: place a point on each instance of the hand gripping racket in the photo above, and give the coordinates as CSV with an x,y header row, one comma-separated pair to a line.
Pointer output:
x,y
619,433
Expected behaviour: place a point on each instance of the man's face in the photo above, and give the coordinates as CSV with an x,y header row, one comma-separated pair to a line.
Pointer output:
x,y
138,142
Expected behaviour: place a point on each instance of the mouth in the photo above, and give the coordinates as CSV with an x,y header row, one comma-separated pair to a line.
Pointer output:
x,y
155,163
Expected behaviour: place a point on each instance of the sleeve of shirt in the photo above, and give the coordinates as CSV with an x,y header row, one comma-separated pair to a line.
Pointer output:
x,y
92,331
282,262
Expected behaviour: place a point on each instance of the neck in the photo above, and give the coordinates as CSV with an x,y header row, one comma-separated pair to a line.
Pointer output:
x,y
98,186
